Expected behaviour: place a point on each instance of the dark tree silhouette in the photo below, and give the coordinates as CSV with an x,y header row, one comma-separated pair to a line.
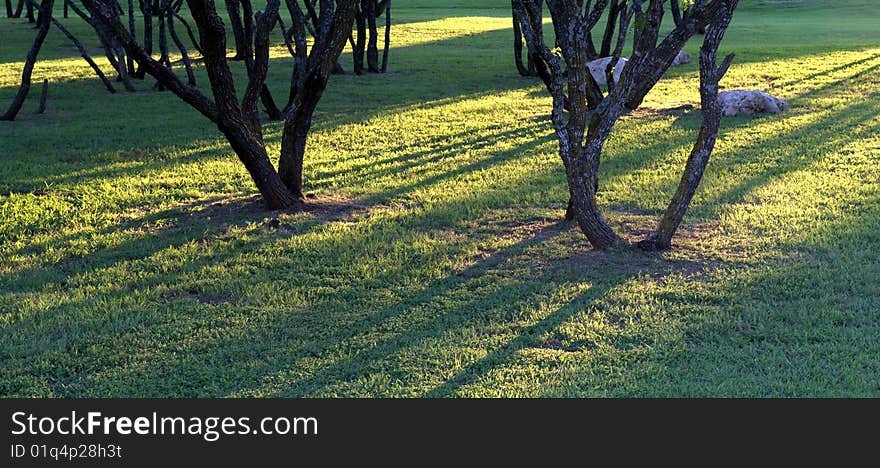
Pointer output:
x,y
239,119
365,36
583,116
25,86
526,68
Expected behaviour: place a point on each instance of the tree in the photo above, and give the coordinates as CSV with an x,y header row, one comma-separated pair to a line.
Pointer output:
x,y
583,116
239,120
365,36
25,87
527,68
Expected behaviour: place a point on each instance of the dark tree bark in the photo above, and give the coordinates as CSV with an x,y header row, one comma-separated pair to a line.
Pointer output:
x,y
387,46
675,8
30,60
146,9
370,13
30,13
9,11
610,25
233,9
18,9
112,50
131,30
360,42
582,115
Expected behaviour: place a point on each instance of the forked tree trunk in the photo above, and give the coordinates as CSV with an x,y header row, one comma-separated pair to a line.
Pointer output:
x,y
583,117
364,39
30,60
147,9
676,11
184,54
240,122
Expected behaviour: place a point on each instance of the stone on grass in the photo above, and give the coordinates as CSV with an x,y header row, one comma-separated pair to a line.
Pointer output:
x,y
597,69
745,102
683,58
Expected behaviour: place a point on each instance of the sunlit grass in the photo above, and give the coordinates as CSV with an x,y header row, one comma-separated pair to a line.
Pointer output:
x,y
136,260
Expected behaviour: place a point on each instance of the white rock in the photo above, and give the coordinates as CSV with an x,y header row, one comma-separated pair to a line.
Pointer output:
x,y
683,58
745,102
597,69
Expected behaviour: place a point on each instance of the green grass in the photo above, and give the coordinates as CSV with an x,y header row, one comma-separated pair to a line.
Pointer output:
x,y
136,260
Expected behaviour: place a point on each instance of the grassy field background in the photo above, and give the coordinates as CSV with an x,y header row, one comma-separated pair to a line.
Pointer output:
x,y
135,259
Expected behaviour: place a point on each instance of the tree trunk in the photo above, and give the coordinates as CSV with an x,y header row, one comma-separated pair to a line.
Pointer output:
x,y
518,44
131,29
233,9
373,41
608,37
676,11
293,141
25,87
582,168
9,9
191,78
527,68
30,13
253,155
164,57
387,36
247,19
145,8
189,32
358,48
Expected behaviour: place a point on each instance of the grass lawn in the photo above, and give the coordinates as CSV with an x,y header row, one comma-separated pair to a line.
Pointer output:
x,y
136,260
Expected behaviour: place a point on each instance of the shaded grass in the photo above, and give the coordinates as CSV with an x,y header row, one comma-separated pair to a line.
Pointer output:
x,y
137,262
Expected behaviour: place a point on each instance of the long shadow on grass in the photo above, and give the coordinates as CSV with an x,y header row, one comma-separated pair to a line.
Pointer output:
x,y
377,95
129,270
806,327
